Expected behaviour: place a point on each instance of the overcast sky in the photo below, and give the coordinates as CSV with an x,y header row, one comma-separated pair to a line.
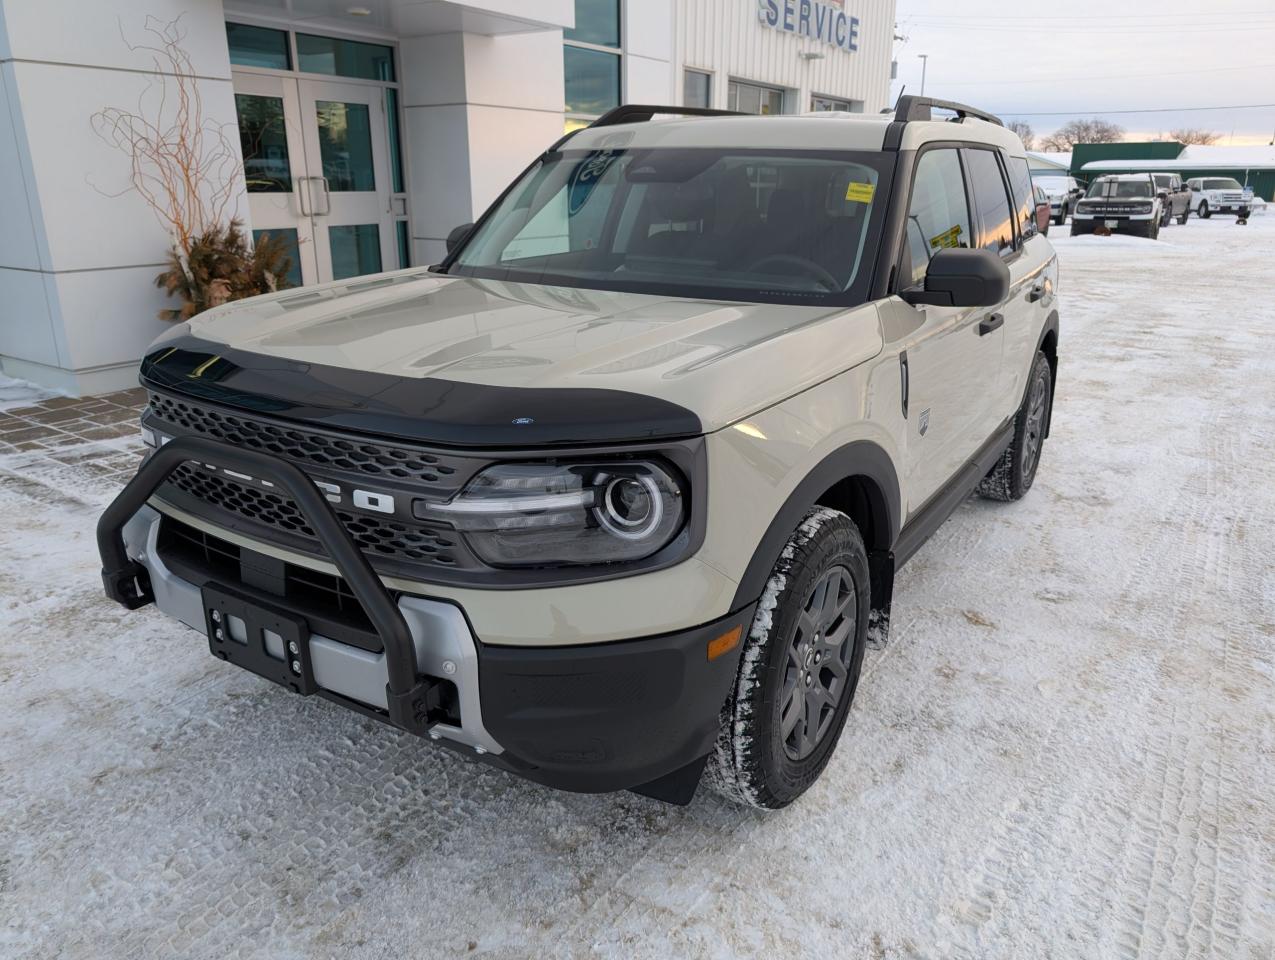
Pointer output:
x,y
1033,57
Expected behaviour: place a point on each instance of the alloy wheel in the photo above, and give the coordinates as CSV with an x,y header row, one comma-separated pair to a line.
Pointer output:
x,y
1035,427
818,667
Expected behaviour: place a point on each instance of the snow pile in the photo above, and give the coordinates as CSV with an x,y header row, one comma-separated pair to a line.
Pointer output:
x,y
16,393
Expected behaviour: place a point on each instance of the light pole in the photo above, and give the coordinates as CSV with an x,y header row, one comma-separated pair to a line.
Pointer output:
x,y
925,63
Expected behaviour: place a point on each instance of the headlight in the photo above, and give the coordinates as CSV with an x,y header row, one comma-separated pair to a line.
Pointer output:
x,y
1084,206
1146,207
536,514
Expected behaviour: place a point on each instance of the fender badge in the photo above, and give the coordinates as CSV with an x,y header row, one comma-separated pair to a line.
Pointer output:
x,y
524,421
924,421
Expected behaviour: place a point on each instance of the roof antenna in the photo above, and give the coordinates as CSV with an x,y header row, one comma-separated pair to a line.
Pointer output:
x,y
895,108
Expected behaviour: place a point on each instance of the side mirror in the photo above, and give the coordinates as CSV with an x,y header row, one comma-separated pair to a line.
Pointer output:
x,y
962,278
457,236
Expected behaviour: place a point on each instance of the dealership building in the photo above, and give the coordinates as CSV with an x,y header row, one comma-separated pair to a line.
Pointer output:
x,y
361,131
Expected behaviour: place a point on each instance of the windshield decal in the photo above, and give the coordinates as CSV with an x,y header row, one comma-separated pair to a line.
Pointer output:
x,y
586,176
861,192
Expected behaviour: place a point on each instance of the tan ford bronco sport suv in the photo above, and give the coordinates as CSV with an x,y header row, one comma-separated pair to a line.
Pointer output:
x,y
617,492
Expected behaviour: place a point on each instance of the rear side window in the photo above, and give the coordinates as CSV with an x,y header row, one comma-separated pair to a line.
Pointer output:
x,y
995,215
939,214
1020,178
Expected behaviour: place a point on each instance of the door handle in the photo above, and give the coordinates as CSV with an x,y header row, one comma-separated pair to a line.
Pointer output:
x,y
993,322
307,197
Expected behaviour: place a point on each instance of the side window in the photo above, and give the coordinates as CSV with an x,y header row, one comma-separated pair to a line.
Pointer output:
x,y
939,215
995,216
1020,178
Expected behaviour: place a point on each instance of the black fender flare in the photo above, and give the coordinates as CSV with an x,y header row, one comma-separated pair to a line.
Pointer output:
x,y
861,458
1051,326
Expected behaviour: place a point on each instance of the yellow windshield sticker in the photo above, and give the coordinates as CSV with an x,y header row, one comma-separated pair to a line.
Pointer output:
x,y
946,239
861,192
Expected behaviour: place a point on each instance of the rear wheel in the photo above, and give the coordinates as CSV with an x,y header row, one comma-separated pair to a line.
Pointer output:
x,y
1015,472
799,668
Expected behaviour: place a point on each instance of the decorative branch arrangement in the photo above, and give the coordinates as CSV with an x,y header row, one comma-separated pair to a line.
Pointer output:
x,y
185,166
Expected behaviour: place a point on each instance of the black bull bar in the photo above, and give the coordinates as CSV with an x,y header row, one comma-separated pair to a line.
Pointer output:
x,y
411,699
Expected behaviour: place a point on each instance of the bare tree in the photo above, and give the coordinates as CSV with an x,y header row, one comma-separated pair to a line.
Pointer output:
x,y
1191,135
184,165
1024,131
1094,130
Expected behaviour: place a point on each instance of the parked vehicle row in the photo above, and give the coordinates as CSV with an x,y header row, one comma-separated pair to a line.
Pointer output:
x,y
1142,203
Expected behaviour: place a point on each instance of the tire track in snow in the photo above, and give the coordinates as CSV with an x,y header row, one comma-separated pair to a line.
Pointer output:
x,y
1182,871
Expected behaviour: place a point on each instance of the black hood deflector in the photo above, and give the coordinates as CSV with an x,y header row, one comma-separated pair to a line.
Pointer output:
x,y
429,410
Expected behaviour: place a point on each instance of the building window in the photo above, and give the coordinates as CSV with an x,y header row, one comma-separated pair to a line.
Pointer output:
x,y
258,47
833,104
754,98
345,58
697,89
591,62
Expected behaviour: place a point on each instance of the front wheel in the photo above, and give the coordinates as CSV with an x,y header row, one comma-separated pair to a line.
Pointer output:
x,y
1015,471
1061,218
1186,213
1205,213
799,668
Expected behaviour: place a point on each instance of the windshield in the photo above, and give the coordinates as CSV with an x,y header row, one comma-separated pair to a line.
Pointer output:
x,y
713,223
1224,184
1120,188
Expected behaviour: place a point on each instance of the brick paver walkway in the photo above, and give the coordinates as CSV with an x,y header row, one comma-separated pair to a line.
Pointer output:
x,y
64,443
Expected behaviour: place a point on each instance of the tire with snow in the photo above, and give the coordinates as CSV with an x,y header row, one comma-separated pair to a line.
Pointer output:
x,y
1204,213
1014,472
799,668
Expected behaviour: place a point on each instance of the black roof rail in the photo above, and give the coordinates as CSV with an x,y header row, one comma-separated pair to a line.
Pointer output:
x,y
641,113
909,109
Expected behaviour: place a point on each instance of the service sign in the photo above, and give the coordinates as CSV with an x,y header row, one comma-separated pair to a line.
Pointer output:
x,y
824,20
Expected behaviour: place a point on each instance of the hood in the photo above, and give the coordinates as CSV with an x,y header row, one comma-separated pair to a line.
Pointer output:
x,y
511,352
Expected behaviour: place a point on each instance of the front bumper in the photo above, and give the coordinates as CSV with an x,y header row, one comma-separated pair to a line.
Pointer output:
x,y
1137,226
588,718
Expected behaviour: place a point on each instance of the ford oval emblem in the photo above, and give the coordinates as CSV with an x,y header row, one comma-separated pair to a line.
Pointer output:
x,y
524,421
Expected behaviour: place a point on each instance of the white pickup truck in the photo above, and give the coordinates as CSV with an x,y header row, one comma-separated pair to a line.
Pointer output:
x,y
1210,195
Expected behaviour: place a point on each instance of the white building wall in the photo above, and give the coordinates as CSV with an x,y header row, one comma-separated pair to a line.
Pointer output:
x,y
647,35
727,39
78,302
477,110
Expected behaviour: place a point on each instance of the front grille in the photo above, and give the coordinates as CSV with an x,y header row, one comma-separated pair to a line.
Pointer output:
x,y
316,448
395,543
1123,209
388,539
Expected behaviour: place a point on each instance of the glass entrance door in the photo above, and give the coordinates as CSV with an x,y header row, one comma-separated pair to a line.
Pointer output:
x,y
274,161
317,166
347,189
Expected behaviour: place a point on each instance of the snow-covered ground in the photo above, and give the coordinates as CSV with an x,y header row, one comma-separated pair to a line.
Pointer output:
x,y
1066,750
